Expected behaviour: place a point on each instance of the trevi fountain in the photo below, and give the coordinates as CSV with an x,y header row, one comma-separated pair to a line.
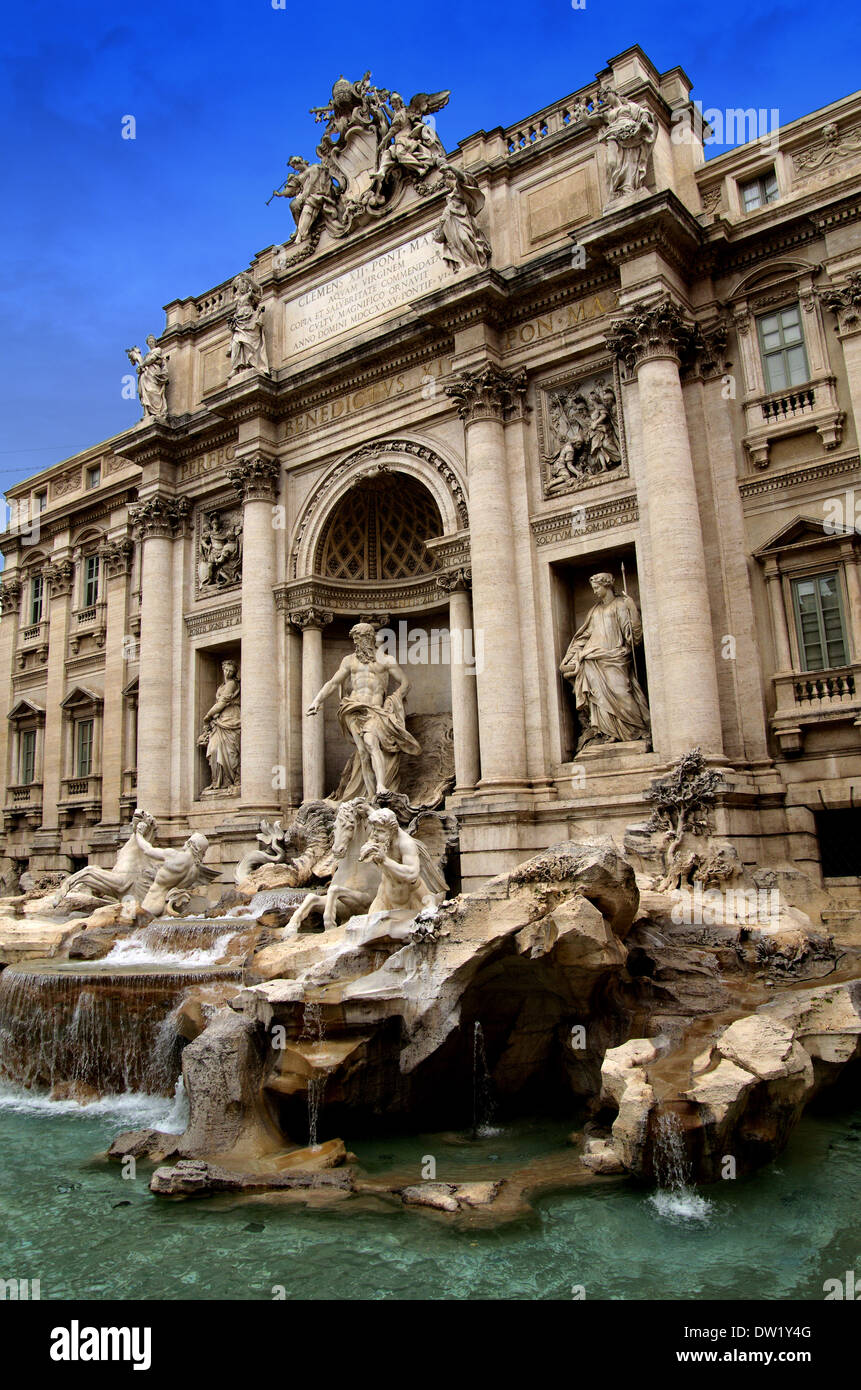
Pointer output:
x,y
526,979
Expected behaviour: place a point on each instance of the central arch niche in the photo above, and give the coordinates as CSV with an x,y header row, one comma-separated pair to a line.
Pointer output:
x,y
378,531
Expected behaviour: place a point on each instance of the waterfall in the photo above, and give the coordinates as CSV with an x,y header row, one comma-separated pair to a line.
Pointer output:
x,y
194,943
676,1197
101,1029
483,1105
314,1031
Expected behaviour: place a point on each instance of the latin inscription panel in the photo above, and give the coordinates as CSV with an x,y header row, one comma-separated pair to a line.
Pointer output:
x,y
378,287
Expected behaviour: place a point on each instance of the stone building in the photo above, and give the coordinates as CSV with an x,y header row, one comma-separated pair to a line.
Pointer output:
x,y
468,383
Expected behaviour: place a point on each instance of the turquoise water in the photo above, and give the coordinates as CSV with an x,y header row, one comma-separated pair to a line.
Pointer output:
x,y
70,1220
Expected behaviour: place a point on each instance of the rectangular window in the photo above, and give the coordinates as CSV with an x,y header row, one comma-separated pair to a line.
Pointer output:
x,y
91,580
37,593
85,748
94,475
756,193
781,343
819,622
27,758
41,501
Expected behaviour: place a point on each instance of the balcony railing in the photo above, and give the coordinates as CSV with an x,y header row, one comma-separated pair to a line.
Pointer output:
x,y
806,698
31,633
788,404
829,686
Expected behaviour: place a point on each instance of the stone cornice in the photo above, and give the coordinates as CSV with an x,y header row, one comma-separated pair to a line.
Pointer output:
x,y
345,599
811,473
255,479
487,393
213,619
585,519
660,222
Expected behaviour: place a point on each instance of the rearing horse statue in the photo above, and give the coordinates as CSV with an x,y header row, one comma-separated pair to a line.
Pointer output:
x,y
354,883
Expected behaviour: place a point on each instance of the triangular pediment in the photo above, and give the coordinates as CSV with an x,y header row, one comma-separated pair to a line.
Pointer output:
x,y
804,530
25,709
81,697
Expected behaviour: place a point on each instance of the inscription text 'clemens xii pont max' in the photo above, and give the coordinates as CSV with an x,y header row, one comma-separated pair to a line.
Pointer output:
x,y
377,287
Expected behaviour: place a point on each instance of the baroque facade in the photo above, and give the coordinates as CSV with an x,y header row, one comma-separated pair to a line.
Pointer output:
x,y
568,414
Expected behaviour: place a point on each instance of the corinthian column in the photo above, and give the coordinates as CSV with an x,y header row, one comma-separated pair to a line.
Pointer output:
x,y
59,576
157,521
311,622
464,664
651,341
484,399
256,482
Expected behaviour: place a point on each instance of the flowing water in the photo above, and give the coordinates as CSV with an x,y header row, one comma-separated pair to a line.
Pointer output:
x,y
109,1029
71,1220
194,944
482,1088
314,1031
676,1198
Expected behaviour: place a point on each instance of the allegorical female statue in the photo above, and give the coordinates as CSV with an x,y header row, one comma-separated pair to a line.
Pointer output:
x,y
599,664
247,346
222,732
152,377
630,131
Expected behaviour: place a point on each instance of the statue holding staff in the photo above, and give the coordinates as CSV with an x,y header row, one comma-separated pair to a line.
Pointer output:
x,y
599,666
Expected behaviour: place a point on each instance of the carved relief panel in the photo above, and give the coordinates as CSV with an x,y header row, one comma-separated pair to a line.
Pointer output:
x,y
218,548
580,430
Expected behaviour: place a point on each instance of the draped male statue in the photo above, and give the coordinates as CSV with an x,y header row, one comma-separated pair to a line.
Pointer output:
x,y
599,665
373,720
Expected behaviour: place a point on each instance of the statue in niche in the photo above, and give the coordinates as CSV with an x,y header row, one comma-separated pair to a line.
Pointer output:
x,y
599,666
411,145
630,130
463,242
312,191
247,346
221,734
220,553
131,874
152,377
181,871
584,425
373,721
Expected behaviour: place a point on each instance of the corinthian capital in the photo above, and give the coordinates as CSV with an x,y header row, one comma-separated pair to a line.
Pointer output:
x,y
10,593
311,617
59,577
652,330
255,479
490,392
160,516
845,301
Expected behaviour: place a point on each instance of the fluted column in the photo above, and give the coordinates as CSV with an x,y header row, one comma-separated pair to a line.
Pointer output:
x,y
651,340
464,662
59,576
116,560
256,482
311,622
157,521
484,398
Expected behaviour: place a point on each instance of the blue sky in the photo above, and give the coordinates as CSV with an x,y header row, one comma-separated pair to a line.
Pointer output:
x,y
98,233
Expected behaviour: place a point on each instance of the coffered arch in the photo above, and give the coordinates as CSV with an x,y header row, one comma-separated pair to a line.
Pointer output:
x,y
411,458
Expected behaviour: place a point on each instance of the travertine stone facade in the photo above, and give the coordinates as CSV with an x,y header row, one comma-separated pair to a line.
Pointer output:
x,y
467,384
